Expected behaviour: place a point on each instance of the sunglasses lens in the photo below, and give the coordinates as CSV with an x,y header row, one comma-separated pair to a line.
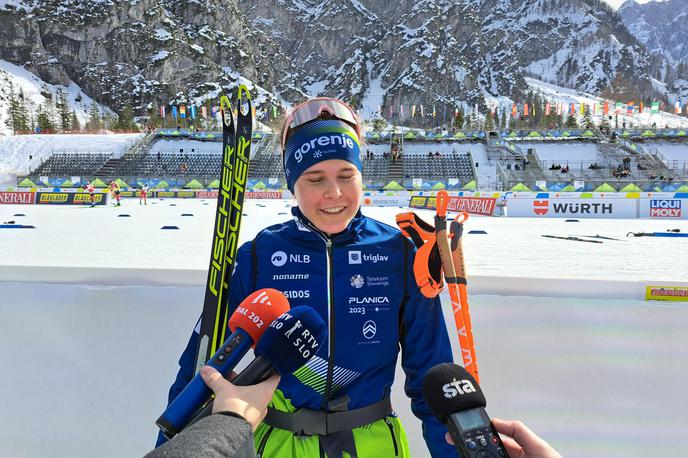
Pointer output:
x,y
313,109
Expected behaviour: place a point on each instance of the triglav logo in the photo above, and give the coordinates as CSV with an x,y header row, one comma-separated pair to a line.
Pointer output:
x,y
369,329
357,281
322,141
457,387
279,258
355,257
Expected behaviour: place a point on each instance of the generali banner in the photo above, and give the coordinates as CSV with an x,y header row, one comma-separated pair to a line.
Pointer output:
x,y
473,205
17,197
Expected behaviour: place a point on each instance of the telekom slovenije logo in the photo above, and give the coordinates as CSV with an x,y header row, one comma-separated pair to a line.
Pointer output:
x,y
540,207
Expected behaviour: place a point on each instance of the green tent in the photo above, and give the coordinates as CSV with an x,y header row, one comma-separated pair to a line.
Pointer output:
x,y
470,186
566,133
193,184
604,187
535,134
215,184
409,135
625,133
512,134
375,136
630,188
393,186
26,183
98,183
162,184
681,133
683,188
568,188
459,135
647,133
439,185
67,184
588,134
260,185
122,184
520,187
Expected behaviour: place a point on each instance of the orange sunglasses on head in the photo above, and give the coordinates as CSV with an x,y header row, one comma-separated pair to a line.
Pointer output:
x,y
311,110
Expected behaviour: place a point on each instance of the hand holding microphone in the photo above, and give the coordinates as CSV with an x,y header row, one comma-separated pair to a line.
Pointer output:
x,y
457,401
289,342
248,323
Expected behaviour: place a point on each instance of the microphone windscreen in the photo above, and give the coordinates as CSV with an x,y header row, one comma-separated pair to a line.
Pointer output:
x,y
257,311
292,339
448,388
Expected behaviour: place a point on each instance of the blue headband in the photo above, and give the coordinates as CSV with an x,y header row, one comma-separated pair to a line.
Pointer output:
x,y
317,141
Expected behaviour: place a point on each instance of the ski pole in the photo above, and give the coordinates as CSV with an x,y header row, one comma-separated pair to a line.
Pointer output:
x,y
450,277
456,231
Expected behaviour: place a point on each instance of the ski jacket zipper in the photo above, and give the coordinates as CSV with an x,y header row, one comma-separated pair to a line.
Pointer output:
x,y
394,438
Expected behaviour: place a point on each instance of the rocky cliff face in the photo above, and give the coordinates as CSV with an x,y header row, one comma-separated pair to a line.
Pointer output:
x,y
151,52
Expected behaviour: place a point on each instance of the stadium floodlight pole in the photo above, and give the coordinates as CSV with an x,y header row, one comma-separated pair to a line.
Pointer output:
x,y
456,283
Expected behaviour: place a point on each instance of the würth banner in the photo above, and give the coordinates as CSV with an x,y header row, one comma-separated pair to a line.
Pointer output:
x,y
14,198
473,205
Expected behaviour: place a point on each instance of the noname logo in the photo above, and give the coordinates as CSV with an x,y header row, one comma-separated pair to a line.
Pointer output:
x,y
355,257
357,281
322,141
457,387
279,258
660,208
369,329
290,277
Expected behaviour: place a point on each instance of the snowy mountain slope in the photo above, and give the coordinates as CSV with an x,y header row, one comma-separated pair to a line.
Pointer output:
x,y
428,52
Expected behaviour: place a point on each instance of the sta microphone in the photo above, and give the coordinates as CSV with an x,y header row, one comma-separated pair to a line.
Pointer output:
x,y
248,323
289,342
457,401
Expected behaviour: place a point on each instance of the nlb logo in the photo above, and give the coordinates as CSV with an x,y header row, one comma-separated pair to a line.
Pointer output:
x,y
457,387
540,207
369,329
279,258
665,208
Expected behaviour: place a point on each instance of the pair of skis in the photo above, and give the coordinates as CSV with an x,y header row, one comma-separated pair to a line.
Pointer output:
x,y
236,151
455,278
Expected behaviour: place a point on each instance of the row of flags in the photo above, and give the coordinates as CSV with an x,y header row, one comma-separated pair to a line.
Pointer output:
x,y
517,109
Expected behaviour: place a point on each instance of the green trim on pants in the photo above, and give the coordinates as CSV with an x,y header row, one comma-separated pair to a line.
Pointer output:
x,y
383,438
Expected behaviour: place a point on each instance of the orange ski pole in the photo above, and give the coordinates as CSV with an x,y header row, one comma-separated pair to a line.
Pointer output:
x,y
456,231
450,277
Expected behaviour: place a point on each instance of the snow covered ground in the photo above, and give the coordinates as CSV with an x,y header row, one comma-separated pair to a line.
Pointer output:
x,y
96,309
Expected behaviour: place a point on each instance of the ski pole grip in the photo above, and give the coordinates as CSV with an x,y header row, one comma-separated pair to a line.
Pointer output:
x,y
442,203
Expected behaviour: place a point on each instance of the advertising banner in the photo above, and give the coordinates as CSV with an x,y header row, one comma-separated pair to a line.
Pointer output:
x,y
17,197
392,199
664,208
666,293
473,205
263,194
69,198
557,207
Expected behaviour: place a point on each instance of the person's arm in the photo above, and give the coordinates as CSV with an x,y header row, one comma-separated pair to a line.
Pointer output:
x,y
424,344
187,361
237,412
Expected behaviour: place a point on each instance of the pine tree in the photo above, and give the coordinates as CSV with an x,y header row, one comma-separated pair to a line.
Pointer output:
x,y
63,112
489,122
572,122
44,119
94,120
125,120
459,119
587,119
74,121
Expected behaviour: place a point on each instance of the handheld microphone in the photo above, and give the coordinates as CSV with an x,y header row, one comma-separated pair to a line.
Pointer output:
x,y
248,323
289,342
457,401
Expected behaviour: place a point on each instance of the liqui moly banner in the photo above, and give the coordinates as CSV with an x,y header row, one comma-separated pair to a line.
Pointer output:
x,y
664,208
17,197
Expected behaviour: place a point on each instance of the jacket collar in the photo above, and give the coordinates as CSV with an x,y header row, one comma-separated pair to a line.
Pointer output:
x,y
348,235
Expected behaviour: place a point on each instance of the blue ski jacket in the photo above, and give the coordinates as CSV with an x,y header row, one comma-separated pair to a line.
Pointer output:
x,y
361,283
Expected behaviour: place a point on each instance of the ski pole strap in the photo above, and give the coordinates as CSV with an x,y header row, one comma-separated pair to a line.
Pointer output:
x,y
427,265
308,422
